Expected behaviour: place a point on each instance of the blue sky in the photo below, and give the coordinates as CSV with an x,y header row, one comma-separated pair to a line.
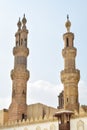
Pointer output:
x,y
46,24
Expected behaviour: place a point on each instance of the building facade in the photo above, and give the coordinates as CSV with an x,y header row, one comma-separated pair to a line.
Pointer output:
x,y
69,115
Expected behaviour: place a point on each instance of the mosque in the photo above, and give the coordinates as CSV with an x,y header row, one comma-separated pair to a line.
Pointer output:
x,y
69,115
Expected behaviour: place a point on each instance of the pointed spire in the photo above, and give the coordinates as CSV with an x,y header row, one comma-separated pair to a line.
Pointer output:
x,y
67,17
19,24
24,21
68,24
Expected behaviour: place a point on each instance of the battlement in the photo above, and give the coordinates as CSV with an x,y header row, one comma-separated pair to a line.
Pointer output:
x,y
27,121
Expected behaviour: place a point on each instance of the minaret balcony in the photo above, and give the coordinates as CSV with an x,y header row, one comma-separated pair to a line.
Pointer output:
x,y
68,34
24,75
70,76
69,52
21,51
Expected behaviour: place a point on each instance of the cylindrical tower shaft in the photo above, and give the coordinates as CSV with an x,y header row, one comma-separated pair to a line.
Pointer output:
x,y
70,75
20,74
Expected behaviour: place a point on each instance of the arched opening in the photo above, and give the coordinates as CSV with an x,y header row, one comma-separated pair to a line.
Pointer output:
x,y
23,116
67,42
67,99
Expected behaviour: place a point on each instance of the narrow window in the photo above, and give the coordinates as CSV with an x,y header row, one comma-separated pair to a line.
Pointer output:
x,y
67,42
25,42
23,116
21,41
67,100
44,113
16,43
23,92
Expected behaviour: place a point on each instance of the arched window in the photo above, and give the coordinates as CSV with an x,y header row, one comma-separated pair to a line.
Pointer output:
x,y
25,42
23,116
67,42
52,127
38,128
67,99
25,128
45,129
80,125
17,43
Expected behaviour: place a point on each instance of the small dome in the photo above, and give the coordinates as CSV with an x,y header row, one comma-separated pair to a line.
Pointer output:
x,y
68,24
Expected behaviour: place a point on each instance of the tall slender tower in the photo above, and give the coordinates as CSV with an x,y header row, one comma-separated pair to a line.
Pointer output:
x,y
20,74
70,75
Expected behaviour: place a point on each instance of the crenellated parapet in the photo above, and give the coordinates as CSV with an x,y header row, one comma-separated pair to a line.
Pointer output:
x,y
29,121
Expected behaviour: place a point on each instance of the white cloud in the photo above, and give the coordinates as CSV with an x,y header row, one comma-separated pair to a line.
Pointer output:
x,y
46,93
43,92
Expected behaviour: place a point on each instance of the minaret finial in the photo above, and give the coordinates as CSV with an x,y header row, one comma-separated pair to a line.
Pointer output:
x,y
24,15
68,24
19,24
19,75
24,21
67,17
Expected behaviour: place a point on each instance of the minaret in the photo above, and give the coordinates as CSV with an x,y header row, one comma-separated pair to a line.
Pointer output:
x,y
70,75
20,74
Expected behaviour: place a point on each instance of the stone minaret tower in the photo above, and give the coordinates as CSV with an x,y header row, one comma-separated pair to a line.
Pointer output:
x,y
70,75
20,74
